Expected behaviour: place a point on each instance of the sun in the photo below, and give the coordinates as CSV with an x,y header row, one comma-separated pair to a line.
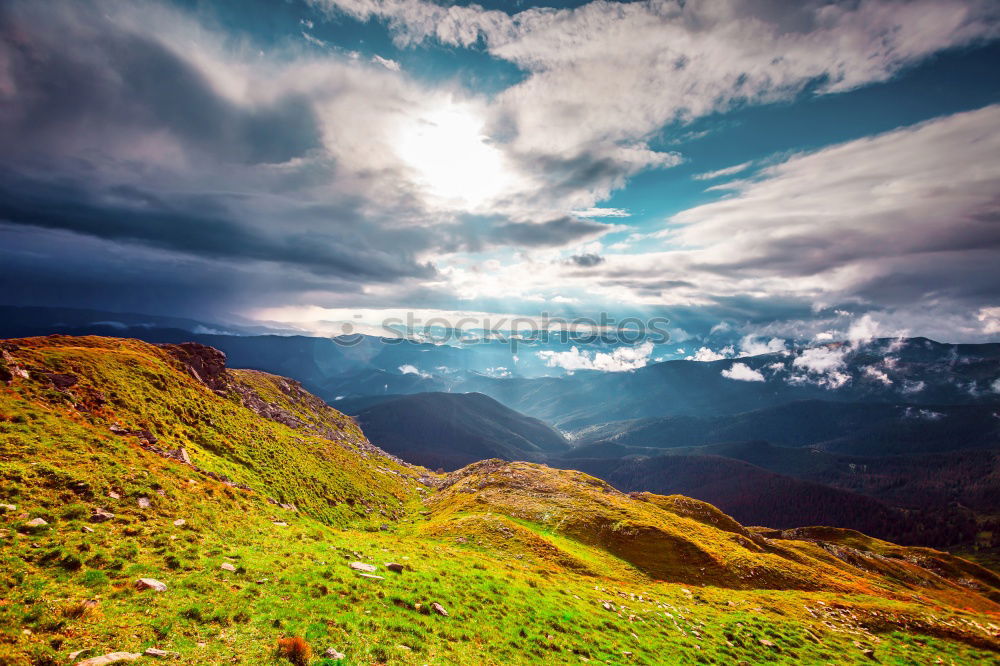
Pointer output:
x,y
452,160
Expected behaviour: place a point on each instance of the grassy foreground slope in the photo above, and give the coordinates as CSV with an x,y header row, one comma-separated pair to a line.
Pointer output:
x,y
249,498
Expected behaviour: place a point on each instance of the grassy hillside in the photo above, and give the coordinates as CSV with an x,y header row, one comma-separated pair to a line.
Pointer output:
x,y
249,499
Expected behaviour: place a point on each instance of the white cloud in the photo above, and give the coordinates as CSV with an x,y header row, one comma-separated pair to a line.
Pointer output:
x,y
742,372
719,173
408,369
751,345
874,373
824,366
990,318
391,65
628,69
620,359
602,212
705,355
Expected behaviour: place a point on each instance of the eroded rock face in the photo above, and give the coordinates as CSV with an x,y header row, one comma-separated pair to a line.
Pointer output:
x,y
204,363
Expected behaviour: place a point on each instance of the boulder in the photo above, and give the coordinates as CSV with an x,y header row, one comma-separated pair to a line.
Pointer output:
x,y
226,566
180,522
362,566
144,503
439,609
150,584
113,495
111,658
4,508
333,654
394,566
87,530
101,515
183,456
372,576
36,522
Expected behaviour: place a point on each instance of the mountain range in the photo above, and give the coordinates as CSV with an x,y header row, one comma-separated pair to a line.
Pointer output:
x,y
157,502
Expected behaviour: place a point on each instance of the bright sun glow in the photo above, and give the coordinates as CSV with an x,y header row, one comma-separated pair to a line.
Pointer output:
x,y
451,157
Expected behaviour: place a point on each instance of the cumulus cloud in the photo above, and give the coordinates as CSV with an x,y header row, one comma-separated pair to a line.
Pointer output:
x,y
743,373
824,366
409,369
706,355
621,359
751,345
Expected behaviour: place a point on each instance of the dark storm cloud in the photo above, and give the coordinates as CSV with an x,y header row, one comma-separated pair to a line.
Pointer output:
x,y
196,226
80,78
553,233
586,260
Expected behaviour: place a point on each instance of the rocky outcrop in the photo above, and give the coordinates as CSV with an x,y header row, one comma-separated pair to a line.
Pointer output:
x,y
204,363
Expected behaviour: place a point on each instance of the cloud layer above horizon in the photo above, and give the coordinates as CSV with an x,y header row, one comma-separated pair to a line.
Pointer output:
x,y
178,161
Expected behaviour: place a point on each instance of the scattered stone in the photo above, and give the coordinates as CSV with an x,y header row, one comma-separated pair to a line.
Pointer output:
x,y
766,643
361,566
36,522
280,523
394,566
182,454
608,606
161,654
261,581
113,495
869,653
150,584
8,507
73,656
180,522
86,529
439,609
333,654
101,515
144,503
289,507
372,576
112,658
226,566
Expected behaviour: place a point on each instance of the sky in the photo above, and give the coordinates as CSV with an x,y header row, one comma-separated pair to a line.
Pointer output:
x,y
739,167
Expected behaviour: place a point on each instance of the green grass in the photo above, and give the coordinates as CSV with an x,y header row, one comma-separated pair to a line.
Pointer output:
x,y
506,550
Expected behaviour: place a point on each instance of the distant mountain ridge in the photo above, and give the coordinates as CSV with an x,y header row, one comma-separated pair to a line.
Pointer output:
x,y
451,430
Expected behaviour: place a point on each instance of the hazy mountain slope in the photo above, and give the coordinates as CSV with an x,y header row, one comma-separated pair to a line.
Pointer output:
x,y
530,564
859,428
971,477
920,372
450,430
